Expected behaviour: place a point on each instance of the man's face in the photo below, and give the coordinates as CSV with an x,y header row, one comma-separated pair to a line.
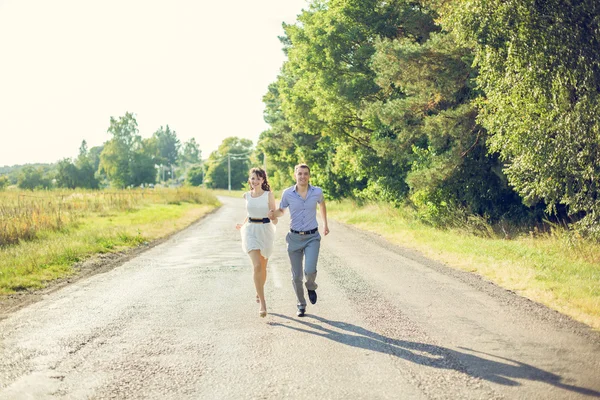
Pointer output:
x,y
302,176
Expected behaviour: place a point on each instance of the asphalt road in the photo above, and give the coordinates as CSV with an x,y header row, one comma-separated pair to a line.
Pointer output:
x,y
180,322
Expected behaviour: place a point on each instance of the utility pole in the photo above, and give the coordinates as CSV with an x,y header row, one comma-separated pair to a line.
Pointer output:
x,y
235,157
229,170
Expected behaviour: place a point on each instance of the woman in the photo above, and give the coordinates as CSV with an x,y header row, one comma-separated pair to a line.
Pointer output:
x,y
258,231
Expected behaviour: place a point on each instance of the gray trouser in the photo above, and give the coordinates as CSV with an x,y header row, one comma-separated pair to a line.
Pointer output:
x,y
303,247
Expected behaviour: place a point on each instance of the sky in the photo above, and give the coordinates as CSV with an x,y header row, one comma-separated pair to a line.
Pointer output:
x,y
201,67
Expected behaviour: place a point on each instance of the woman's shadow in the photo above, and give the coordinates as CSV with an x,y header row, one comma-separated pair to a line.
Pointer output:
x,y
498,372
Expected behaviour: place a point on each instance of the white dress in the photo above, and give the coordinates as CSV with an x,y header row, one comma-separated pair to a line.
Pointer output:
x,y
257,236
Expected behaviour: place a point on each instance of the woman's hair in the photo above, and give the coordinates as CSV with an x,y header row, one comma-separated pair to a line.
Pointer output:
x,y
261,173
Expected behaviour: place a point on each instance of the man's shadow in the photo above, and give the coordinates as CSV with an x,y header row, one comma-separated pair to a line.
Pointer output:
x,y
498,372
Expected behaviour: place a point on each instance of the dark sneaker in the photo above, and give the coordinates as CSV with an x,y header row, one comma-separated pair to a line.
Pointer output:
x,y
300,312
312,296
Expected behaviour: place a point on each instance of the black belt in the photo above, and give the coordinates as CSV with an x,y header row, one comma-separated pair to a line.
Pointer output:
x,y
305,232
260,220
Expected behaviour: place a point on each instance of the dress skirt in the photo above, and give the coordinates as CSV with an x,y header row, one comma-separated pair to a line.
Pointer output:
x,y
258,237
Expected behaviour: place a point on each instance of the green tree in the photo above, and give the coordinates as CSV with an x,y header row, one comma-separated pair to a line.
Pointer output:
x,y
539,66
283,146
195,175
34,178
126,159
4,182
143,169
80,174
323,85
232,158
67,174
191,153
86,169
428,116
166,145
381,102
14,172
94,156
115,162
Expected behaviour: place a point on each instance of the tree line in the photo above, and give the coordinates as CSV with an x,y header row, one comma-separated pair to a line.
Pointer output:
x,y
459,108
128,160
125,160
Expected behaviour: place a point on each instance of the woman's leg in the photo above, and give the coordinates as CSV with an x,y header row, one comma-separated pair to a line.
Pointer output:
x,y
263,263
259,278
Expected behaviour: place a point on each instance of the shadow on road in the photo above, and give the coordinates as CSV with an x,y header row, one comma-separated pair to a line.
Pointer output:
x,y
501,372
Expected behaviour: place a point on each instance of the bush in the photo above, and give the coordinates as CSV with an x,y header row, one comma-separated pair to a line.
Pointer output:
x,y
4,182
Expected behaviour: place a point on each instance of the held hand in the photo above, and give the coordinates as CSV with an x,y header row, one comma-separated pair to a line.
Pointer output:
x,y
271,214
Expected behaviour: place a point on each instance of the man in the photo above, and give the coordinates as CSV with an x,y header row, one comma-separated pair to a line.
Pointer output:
x,y
303,239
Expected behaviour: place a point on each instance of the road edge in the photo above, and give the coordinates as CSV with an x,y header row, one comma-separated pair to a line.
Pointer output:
x,y
508,297
98,263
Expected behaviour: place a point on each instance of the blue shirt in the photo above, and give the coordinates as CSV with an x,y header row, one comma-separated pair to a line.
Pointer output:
x,y
303,212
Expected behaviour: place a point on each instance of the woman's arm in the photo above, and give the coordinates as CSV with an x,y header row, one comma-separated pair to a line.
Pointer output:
x,y
239,226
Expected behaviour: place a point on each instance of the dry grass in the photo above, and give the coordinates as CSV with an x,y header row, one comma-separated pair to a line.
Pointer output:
x,y
24,215
45,233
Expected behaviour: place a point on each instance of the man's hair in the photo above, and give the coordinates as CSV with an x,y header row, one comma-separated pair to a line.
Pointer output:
x,y
297,167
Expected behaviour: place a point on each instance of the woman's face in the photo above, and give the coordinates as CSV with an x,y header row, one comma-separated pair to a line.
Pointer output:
x,y
255,181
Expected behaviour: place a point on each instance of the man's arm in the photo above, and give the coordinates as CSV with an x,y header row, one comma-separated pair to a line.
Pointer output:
x,y
270,214
323,210
276,213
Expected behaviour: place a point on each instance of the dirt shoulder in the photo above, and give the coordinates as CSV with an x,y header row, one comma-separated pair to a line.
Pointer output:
x,y
520,304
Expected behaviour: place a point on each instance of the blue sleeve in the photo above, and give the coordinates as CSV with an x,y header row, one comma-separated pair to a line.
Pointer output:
x,y
284,201
320,197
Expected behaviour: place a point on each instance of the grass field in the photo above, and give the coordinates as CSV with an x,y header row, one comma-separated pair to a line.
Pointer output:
x,y
43,233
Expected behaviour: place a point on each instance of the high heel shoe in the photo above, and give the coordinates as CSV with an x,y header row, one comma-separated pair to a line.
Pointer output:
x,y
262,313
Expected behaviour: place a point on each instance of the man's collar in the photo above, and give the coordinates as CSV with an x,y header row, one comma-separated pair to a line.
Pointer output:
x,y
309,187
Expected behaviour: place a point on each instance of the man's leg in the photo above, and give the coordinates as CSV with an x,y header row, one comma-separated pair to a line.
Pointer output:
x,y
311,255
296,254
